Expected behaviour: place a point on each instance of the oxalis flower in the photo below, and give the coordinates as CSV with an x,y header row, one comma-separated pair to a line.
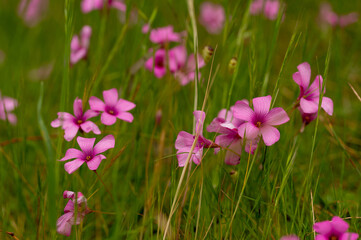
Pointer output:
x,y
164,35
328,16
260,122
80,121
212,17
7,105
187,70
71,215
310,95
32,11
185,140
89,153
79,45
269,8
90,5
336,229
112,107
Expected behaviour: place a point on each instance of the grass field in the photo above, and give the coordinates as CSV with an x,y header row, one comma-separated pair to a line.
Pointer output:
x,y
139,191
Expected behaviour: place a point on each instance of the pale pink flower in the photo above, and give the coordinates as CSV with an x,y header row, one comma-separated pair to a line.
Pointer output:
x,y
212,17
164,35
269,8
310,95
187,71
80,121
328,16
261,120
185,140
112,107
90,5
80,44
89,154
71,215
7,105
32,11
145,28
336,229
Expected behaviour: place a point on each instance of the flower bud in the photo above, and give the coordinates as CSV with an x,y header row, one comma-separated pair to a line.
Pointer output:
x,y
207,53
232,65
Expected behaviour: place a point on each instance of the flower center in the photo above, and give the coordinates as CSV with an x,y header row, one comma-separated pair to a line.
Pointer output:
x,y
333,238
307,118
111,112
88,158
258,124
80,121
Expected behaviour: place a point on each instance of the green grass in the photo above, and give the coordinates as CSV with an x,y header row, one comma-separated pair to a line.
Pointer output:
x,y
282,189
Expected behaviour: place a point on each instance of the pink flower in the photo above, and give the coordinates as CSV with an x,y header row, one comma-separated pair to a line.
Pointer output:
x,y
90,5
212,17
307,118
80,44
145,28
328,16
309,95
290,237
227,126
72,216
176,59
185,140
336,229
112,107
164,35
89,153
7,105
32,11
260,122
187,70
269,8
71,124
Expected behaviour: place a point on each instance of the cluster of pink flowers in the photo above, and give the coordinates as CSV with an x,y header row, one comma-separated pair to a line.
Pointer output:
x,y
111,109
329,17
174,60
7,105
79,45
269,8
91,5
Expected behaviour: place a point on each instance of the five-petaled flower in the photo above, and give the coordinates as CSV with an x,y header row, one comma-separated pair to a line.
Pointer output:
x,y
336,229
72,215
260,122
212,17
7,105
79,45
112,107
89,153
71,124
164,35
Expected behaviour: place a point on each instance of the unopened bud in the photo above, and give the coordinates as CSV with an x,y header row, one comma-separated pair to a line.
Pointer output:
x,y
207,53
232,65
158,117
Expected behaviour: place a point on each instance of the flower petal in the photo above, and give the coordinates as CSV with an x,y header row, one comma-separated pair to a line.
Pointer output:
x,y
72,166
303,76
242,111
96,104
70,132
276,116
327,105
108,119
323,228
125,116
86,144
95,162
308,106
339,226
110,97
78,108
183,140
124,105
248,130
90,114
63,227
349,236
233,153
270,135
261,105
90,126
103,145
72,153
199,117
69,207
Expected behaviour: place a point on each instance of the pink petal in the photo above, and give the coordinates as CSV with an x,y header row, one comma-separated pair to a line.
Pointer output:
x,y
86,32
327,105
308,106
125,116
108,119
271,9
182,155
75,43
86,144
110,97
197,156
276,116
248,130
95,162
242,111
321,237
339,225
72,166
270,135
9,103
103,145
234,153
96,104
70,132
77,55
261,105
72,153
349,236
315,87
303,76
69,207
63,227
323,228
199,117
124,105
159,72
90,114
12,118
184,140
90,126
348,19
56,123
78,108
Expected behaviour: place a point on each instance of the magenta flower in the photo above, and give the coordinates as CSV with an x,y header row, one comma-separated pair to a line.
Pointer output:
x,y
336,229
260,122
112,107
269,8
187,70
290,237
212,17
164,35
328,16
7,105
71,124
309,95
90,5
185,140
32,11
80,44
72,216
89,153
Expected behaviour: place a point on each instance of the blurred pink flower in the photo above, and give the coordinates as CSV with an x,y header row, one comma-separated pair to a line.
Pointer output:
x,y
290,237
269,8
90,5
164,35
112,107
145,28
260,122
32,11
212,17
309,95
334,229
89,153
185,140
187,70
7,105
71,124
41,73
328,16
80,44
72,216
